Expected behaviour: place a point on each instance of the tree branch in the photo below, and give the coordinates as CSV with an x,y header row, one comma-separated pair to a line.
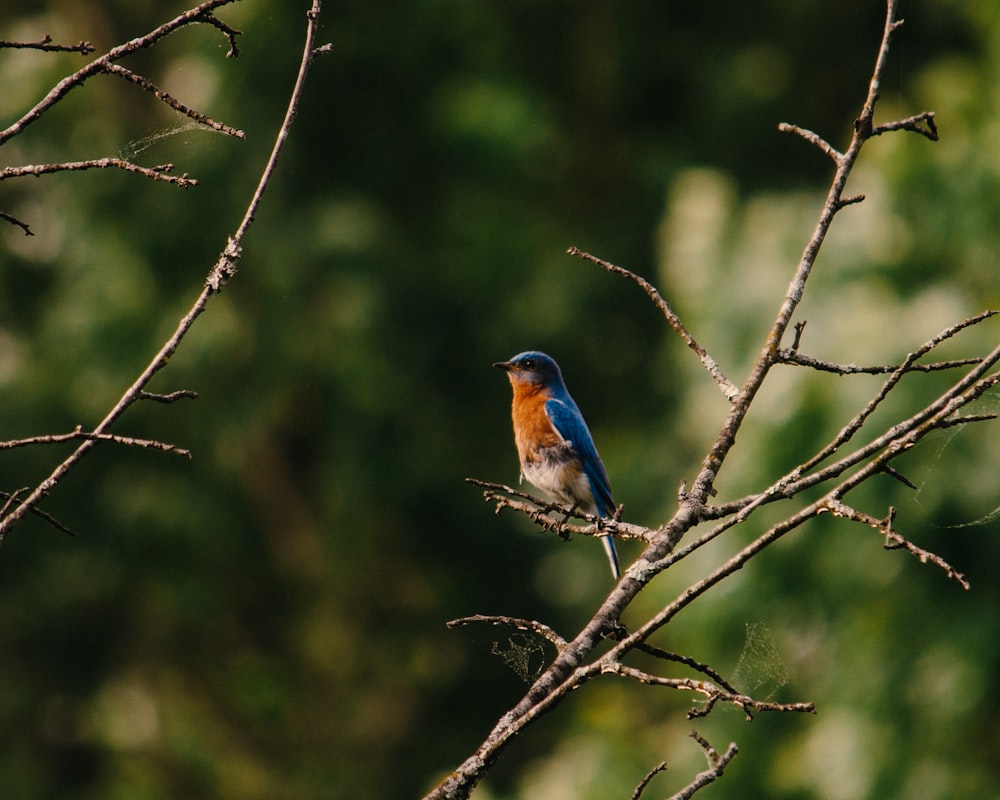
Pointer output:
x,y
814,139
15,221
148,86
661,767
922,124
710,691
703,485
894,540
222,271
538,511
158,173
12,497
45,43
728,389
528,625
79,434
716,766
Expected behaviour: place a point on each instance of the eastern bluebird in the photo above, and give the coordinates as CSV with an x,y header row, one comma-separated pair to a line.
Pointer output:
x,y
553,442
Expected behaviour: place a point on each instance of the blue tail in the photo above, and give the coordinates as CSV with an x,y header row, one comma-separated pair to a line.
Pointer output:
x,y
609,548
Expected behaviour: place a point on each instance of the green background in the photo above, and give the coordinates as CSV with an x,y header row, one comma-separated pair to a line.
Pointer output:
x,y
266,620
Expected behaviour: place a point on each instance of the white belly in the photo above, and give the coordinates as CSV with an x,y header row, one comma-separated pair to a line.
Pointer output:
x,y
562,480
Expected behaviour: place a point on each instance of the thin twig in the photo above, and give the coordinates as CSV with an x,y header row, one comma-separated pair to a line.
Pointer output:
x,y
81,435
853,200
793,356
176,105
528,625
171,397
895,474
936,415
705,669
812,138
540,512
637,793
45,43
716,766
923,124
157,173
848,431
712,692
11,498
729,389
900,437
959,421
894,540
800,360
230,32
15,221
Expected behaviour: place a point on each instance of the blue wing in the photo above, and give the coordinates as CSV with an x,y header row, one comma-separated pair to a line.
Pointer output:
x,y
570,425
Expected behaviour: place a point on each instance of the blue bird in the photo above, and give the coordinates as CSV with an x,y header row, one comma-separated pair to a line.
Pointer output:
x,y
554,445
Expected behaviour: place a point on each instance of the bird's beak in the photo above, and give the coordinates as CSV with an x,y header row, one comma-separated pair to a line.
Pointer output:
x,y
506,366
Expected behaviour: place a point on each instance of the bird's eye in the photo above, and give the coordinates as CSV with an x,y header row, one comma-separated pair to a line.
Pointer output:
x,y
528,363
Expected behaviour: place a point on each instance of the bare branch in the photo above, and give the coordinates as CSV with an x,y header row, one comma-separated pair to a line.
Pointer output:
x,y
863,124
176,105
231,33
959,421
571,667
666,655
882,449
812,138
538,511
849,430
849,201
793,356
716,766
894,540
171,397
923,124
528,625
710,691
11,498
45,43
661,767
15,221
728,389
896,475
81,435
158,173
786,356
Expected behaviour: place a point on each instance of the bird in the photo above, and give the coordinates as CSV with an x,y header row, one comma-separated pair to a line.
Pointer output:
x,y
554,444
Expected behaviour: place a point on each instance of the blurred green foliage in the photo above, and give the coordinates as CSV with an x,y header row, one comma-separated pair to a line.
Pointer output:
x,y
267,619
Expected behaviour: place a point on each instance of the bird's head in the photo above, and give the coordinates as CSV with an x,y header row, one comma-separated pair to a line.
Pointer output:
x,y
533,368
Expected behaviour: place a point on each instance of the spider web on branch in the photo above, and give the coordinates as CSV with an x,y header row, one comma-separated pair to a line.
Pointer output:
x,y
760,671
137,146
524,653
942,441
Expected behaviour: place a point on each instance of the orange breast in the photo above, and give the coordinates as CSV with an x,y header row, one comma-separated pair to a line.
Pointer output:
x,y
532,428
